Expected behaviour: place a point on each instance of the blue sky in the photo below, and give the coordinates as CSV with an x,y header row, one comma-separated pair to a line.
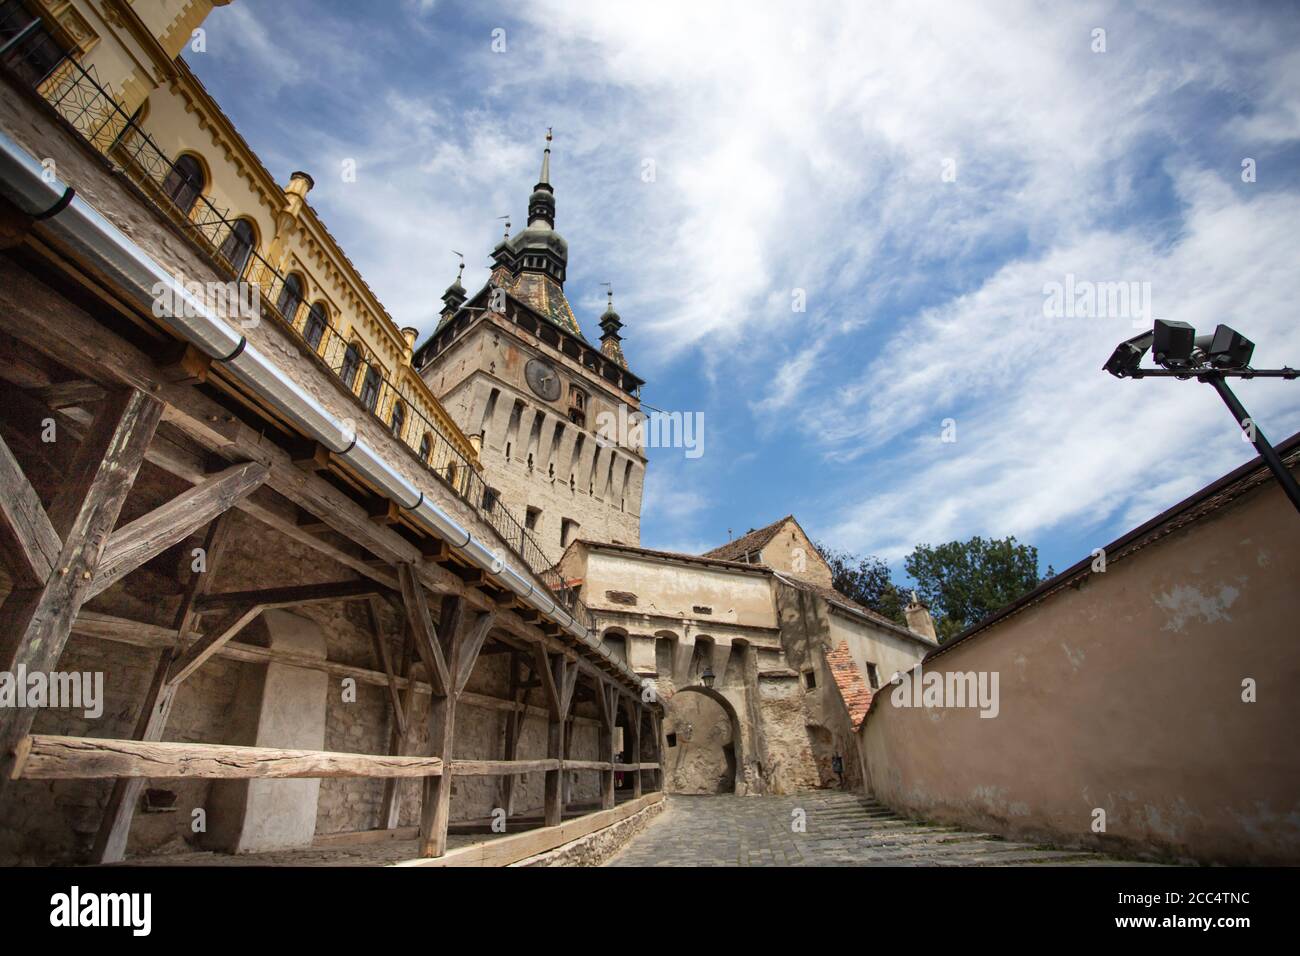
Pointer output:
x,y
922,172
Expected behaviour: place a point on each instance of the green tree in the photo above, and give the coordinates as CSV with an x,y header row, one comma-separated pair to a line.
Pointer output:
x,y
964,581
866,580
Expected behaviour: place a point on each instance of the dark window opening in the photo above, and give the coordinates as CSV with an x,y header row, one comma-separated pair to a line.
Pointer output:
x,y
873,676
672,740
314,330
370,388
531,518
398,421
184,184
426,446
351,360
238,246
34,56
809,679
290,298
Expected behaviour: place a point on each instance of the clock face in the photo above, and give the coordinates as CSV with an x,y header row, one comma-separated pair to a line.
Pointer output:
x,y
543,379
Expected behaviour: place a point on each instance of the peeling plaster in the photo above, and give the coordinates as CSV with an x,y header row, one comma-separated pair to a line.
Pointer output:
x,y
1075,658
1188,604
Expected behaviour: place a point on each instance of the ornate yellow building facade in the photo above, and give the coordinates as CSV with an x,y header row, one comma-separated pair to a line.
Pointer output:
x,y
159,124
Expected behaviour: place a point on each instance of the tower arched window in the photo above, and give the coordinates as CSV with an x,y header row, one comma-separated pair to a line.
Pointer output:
x,y
426,446
398,419
238,246
185,183
290,297
314,330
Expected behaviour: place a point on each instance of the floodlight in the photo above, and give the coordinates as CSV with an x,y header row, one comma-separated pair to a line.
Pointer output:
x,y
1173,343
1128,355
1212,359
1227,348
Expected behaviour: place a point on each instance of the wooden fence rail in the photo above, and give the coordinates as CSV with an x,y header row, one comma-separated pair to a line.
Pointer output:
x,y
50,757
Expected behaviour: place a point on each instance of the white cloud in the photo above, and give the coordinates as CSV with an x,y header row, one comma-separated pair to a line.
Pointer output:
x,y
1043,435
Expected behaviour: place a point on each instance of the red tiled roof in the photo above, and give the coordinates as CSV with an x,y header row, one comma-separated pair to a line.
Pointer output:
x,y
853,689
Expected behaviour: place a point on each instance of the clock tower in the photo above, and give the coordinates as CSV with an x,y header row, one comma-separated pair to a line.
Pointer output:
x,y
514,369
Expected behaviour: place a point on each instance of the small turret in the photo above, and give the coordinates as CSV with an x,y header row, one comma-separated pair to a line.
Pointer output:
x,y
610,324
455,296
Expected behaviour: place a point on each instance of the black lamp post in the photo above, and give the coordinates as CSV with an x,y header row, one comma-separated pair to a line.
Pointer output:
x,y
1209,358
707,677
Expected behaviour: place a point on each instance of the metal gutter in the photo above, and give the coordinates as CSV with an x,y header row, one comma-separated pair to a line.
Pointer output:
x,y
81,227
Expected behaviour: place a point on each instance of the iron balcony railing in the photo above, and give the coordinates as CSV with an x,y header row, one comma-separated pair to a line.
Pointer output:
x,y
94,112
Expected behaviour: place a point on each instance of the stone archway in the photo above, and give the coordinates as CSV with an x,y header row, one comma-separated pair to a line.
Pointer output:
x,y
737,759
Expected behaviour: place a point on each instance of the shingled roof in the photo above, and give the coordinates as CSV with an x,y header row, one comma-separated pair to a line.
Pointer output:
x,y
749,543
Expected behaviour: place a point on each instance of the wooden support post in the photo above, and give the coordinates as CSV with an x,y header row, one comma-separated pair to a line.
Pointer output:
x,y
35,622
461,642
557,681
607,704
514,728
115,828
435,812
659,751
634,727
390,813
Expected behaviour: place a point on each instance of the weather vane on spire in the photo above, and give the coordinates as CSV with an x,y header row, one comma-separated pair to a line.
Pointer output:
x,y
609,294
507,219
461,269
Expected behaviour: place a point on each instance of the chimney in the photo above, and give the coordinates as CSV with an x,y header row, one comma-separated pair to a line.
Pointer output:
x,y
919,620
409,334
299,184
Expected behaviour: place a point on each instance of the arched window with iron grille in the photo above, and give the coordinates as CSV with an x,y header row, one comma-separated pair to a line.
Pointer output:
x,y
370,388
398,419
185,183
290,297
238,246
314,330
348,371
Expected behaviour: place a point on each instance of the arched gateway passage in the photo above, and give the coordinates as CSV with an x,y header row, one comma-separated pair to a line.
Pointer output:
x,y
733,749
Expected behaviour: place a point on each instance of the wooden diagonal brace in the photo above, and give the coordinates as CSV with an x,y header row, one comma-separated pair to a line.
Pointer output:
x,y
421,624
28,540
135,543
209,644
468,651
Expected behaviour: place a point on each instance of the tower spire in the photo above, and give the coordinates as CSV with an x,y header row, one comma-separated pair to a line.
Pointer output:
x,y
541,204
545,178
